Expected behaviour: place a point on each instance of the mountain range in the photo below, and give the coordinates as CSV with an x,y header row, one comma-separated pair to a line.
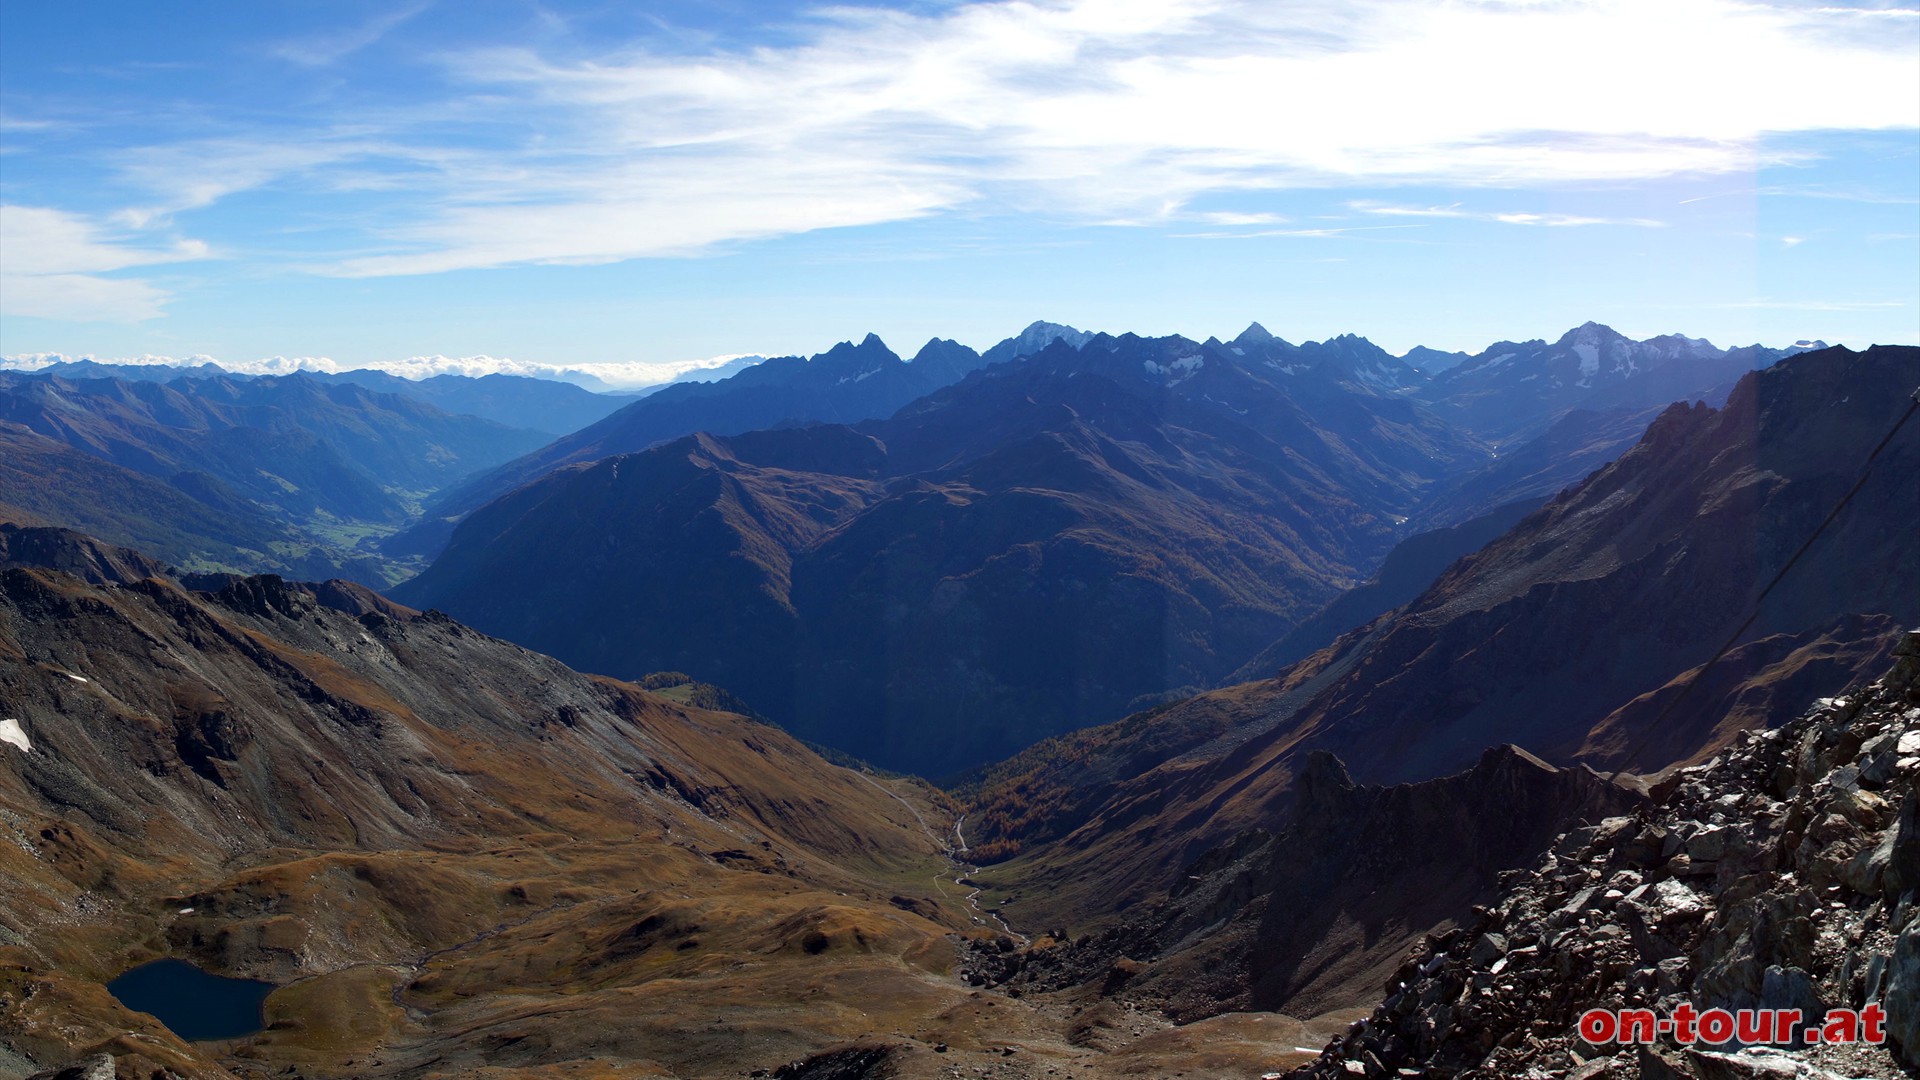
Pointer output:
x,y
1028,550
844,384
1579,634
1369,649
516,401
333,462
1045,543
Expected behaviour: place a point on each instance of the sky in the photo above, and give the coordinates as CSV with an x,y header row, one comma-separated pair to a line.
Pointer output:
x,y
635,188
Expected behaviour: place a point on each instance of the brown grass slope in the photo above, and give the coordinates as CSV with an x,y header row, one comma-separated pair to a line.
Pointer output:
x,y
449,849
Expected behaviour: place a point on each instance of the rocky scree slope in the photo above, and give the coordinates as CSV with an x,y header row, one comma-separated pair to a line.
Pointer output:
x,y
1783,874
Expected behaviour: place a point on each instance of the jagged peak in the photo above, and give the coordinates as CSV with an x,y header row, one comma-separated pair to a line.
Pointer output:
x,y
1038,335
1509,754
870,348
1254,334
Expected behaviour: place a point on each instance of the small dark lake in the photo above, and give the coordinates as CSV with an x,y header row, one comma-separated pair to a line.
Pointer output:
x,y
193,1004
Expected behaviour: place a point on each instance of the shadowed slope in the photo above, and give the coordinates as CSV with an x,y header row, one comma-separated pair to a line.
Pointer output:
x,y
1047,543
1544,638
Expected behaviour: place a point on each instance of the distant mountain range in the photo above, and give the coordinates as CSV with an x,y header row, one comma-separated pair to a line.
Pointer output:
x,y
243,474
1513,390
197,527
1043,543
1207,498
516,401
844,384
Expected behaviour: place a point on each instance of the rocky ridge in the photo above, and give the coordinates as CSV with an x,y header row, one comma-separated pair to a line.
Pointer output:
x,y
1783,874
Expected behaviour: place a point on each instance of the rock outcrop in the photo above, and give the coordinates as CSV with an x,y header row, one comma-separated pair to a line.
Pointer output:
x,y
1783,874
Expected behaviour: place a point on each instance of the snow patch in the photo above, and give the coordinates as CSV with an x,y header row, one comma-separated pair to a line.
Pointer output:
x,y
1501,359
1589,361
13,734
74,677
1180,370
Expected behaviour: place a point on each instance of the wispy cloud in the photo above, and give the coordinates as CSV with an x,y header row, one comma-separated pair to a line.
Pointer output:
x,y
1320,233
1507,217
1801,192
52,262
1081,110
199,172
328,49
1230,218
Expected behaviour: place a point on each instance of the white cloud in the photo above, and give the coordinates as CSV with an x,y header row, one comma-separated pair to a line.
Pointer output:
x,y
1113,111
616,374
200,172
1325,232
1230,218
51,262
1508,217
1118,109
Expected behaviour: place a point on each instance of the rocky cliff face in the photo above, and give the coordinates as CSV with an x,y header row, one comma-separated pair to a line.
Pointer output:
x,y
1783,874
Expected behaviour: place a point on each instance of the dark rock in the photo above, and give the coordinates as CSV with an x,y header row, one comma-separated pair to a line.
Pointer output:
x,y
1903,994
92,1067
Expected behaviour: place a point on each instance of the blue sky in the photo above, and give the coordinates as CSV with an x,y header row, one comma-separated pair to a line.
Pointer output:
x,y
630,187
